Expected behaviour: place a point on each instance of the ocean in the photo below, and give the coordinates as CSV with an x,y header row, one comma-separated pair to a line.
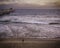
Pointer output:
x,y
30,23
35,12
31,11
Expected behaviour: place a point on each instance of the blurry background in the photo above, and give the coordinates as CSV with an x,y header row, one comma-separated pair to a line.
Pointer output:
x,y
29,21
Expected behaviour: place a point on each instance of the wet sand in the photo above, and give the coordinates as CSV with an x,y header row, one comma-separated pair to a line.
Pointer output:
x,y
29,43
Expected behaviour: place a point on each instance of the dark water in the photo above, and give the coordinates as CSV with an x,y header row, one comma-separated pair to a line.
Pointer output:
x,y
19,11
35,12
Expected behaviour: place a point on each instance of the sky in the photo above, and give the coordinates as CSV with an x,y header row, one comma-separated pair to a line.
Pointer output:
x,y
42,2
29,2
